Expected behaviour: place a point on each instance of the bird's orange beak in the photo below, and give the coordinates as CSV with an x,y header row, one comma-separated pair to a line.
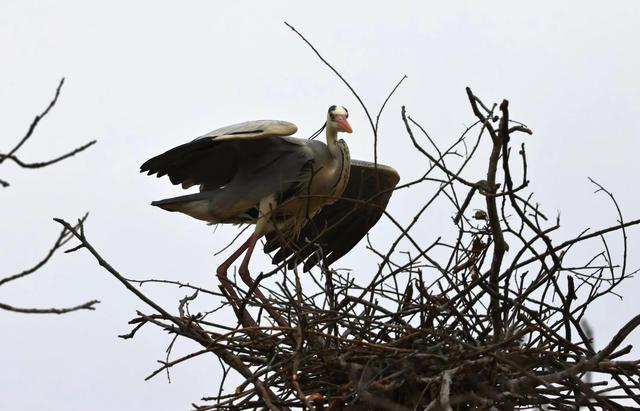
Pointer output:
x,y
343,124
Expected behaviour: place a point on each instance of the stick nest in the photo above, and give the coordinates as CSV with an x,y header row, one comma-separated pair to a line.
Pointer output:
x,y
492,319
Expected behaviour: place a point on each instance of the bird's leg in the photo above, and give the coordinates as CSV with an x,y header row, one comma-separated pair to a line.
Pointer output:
x,y
227,286
224,267
266,207
244,268
246,277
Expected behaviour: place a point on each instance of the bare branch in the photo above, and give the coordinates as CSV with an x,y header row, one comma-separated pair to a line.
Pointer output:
x,y
89,305
488,317
12,154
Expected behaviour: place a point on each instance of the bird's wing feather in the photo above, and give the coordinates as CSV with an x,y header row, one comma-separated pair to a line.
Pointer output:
x,y
212,159
252,129
340,226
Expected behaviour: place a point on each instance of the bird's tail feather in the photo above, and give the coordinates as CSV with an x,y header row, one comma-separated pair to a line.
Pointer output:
x,y
196,205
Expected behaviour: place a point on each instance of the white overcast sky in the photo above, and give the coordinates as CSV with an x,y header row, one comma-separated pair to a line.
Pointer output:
x,y
147,75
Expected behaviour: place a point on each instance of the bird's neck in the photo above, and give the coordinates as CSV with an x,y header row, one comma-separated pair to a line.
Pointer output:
x,y
332,143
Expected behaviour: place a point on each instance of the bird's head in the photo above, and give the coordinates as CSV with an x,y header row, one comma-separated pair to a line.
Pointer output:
x,y
337,119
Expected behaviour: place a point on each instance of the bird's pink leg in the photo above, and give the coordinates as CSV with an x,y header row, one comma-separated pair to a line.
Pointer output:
x,y
265,208
244,267
224,267
246,277
226,284
249,246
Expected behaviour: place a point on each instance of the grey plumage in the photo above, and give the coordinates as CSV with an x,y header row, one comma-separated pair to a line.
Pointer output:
x,y
236,167
291,188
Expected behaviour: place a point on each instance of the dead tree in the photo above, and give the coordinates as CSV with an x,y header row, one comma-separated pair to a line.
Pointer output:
x,y
63,238
479,329
491,318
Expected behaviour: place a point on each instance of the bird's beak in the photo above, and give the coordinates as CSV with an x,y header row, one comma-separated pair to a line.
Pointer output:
x,y
343,124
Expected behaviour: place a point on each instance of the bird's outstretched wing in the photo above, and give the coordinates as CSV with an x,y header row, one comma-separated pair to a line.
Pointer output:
x,y
207,161
338,227
252,130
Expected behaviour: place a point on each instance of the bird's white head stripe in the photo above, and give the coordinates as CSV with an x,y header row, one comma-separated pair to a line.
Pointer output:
x,y
339,110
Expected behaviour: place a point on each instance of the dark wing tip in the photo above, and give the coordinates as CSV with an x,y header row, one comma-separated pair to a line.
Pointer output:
x,y
345,222
383,170
394,176
150,166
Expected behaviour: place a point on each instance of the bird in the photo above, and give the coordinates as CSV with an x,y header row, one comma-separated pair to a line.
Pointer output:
x,y
301,194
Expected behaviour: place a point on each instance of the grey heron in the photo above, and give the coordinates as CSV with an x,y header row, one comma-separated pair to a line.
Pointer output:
x,y
299,193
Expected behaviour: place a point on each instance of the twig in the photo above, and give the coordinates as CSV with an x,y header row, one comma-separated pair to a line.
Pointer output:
x,y
11,155
89,305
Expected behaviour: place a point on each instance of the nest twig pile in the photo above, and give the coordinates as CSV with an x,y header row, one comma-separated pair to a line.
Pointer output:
x,y
456,325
